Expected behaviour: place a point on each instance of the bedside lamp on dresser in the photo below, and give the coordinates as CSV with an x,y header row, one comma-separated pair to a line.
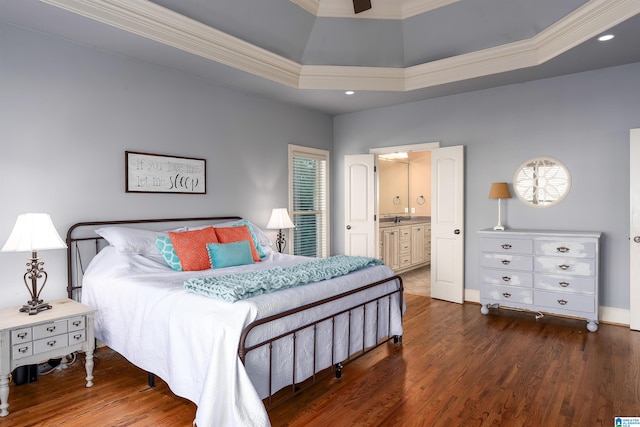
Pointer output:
x,y
62,327
34,232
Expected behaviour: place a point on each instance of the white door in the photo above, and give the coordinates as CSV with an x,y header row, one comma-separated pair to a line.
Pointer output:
x,y
360,205
447,217
634,232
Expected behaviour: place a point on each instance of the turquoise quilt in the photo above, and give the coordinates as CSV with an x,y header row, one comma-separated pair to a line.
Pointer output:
x,y
234,287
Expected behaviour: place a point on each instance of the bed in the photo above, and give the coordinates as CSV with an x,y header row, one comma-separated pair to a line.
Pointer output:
x,y
234,360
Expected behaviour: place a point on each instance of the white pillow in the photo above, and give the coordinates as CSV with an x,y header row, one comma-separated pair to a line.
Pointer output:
x,y
133,241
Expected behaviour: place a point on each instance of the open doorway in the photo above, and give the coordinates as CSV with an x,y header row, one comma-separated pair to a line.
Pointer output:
x,y
404,208
362,227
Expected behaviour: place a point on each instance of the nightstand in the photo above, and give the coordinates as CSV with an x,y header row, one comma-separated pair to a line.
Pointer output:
x,y
28,340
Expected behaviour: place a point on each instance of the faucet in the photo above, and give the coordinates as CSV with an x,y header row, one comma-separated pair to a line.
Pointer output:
x,y
397,219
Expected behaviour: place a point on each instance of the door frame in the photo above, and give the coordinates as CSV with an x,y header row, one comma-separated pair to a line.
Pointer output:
x,y
634,229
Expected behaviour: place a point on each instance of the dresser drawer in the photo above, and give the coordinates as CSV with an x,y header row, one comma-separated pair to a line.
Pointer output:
x,y
571,266
508,294
506,262
21,335
76,323
577,284
77,337
506,277
405,247
50,329
50,343
565,301
507,245
565,248
21,350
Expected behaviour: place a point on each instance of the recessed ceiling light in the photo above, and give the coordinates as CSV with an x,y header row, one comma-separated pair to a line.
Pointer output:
x,y
349,92
606,37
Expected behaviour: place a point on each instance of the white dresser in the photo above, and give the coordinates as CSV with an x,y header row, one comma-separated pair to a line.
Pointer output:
x,y
543,271
30,339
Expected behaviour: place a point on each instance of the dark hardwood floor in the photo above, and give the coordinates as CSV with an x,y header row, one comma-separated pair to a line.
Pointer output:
x,y
455,367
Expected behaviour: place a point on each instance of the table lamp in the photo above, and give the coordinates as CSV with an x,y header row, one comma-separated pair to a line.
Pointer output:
x,y
499,190
34,232
279,220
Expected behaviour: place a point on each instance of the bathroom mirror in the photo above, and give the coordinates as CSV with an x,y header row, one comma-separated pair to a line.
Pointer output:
x,y
404,184
393,185
542,182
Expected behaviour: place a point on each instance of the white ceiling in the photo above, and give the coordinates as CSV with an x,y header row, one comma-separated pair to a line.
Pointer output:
x,y
308,52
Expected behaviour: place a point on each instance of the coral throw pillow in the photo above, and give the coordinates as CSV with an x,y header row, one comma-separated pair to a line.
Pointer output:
x,y
236,234
191,247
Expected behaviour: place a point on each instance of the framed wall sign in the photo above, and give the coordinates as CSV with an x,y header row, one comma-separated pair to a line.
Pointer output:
x,y
155,173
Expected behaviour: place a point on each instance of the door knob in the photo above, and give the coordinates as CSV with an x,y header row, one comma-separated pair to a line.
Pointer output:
x,y
456,231
636,239
348,227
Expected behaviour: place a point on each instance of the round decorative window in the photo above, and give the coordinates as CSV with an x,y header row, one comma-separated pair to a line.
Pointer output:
x,y
542,182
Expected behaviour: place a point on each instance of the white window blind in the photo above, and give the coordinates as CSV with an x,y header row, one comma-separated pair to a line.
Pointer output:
x,y
309,184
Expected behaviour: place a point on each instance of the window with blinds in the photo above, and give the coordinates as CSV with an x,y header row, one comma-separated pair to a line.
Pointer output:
x,y
309,206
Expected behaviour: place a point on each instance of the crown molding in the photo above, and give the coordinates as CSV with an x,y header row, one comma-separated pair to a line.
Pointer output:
x,y
380,9
146,19
149,20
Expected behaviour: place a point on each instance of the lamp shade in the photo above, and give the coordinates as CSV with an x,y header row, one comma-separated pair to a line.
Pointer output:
x,y
280,219
33,232
499,190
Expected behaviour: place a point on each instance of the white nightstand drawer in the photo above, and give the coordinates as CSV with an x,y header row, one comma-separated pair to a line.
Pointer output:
x,y
565,248
22,350
507,245
505,277
50,343
76,323
573,266
565,301
50,329
77,336
583,285
509,294
21,335
506,262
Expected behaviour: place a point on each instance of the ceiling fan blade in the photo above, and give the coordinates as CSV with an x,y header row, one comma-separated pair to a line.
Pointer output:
x,y
361,5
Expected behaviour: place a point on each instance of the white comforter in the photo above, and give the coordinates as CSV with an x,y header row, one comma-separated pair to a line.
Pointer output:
x,y
191,341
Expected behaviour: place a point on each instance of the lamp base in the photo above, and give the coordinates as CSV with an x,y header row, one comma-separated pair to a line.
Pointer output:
x,y
280,241
34,307
499,227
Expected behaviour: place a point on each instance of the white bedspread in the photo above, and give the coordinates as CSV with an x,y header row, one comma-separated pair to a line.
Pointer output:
x,y
191,341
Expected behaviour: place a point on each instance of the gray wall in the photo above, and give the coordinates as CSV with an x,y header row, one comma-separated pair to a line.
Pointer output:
x,y
69,112
583,120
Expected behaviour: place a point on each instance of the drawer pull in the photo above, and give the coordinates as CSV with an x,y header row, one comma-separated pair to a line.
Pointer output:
x,y
22,335
77,337
563,284
505,261
77,323
51,328
564,267
51,343
506,295
562,301
506,278
506,246
563,249
23,349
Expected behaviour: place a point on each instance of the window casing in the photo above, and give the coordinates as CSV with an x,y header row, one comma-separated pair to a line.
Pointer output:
x,y
309,200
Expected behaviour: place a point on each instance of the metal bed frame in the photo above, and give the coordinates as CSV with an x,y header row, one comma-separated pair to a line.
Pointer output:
x,y
75,271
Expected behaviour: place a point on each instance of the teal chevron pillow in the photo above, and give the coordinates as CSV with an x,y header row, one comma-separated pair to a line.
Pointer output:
x,y
164,245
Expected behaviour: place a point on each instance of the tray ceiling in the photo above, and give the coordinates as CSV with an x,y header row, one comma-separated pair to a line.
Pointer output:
x,y
308,52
